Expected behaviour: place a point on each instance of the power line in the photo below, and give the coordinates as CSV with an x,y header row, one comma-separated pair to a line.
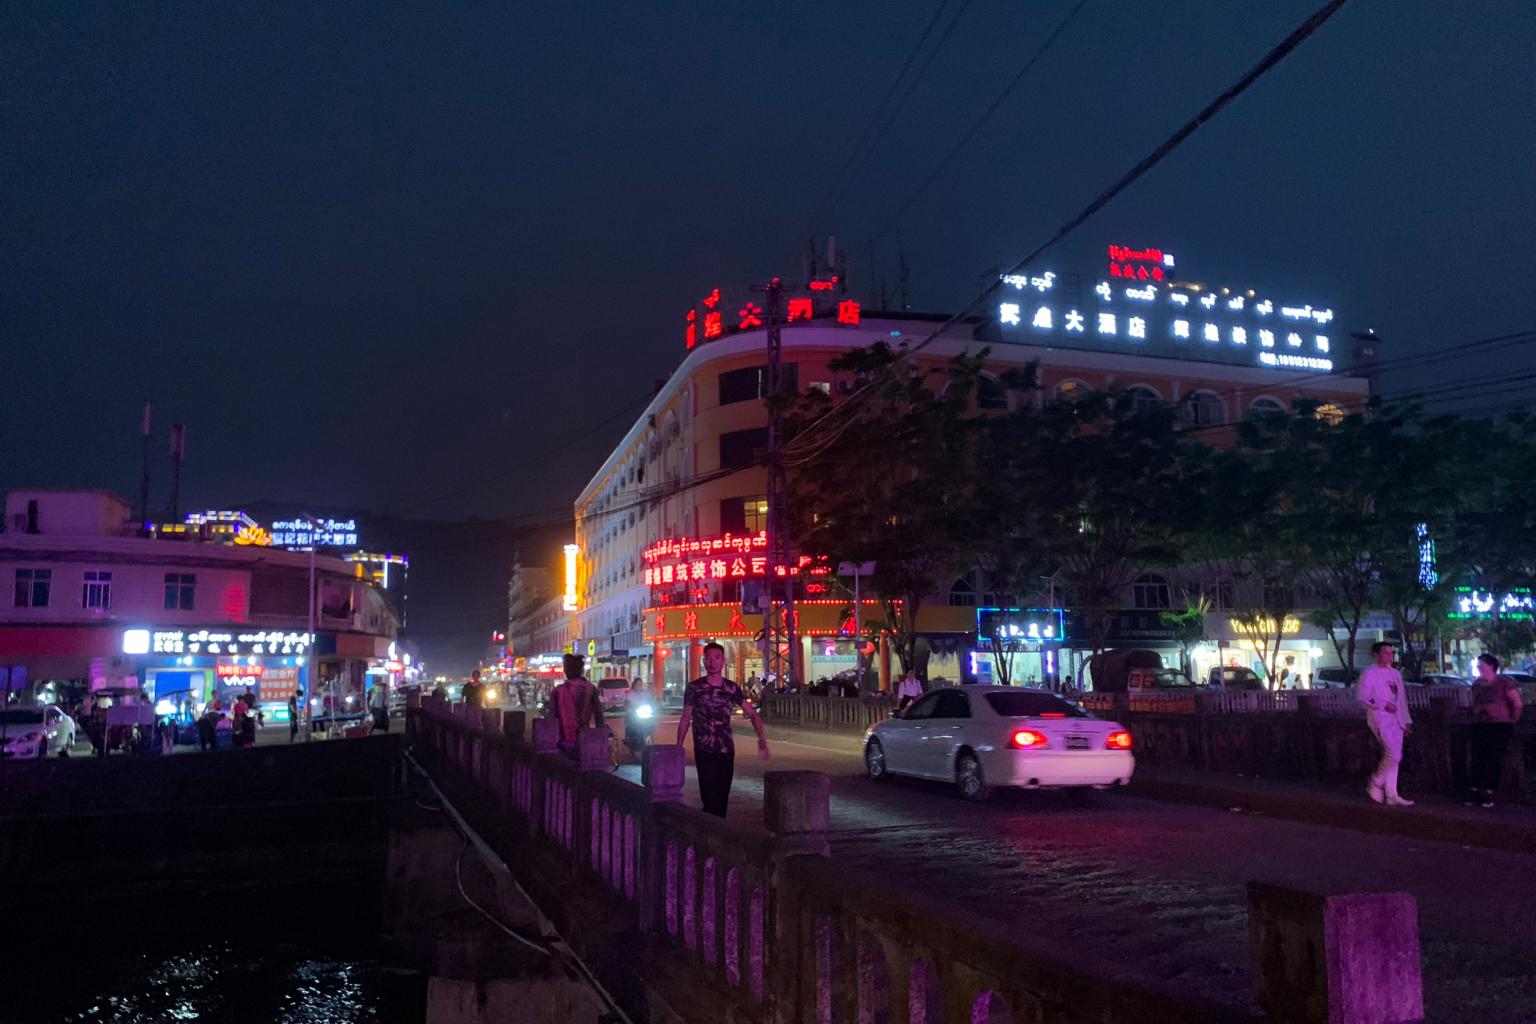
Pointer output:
x,y
854,157
1274,57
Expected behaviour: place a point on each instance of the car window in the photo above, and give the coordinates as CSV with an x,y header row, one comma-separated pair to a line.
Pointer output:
x,y
923,708
21,716
952,704
614,684
1033,704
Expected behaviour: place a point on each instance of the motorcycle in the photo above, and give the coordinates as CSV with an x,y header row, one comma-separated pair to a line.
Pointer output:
x,y
639,727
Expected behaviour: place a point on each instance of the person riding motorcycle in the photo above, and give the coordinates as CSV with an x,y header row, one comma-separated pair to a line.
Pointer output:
x,y
639,719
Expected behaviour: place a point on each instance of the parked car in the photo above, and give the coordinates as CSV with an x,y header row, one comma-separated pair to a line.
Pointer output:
x,y
1235,678
36,732
1334,678
1521,678
614,693
980,737
1441,679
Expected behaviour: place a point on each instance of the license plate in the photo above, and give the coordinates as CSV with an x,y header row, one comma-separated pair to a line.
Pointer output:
x,y
1077,742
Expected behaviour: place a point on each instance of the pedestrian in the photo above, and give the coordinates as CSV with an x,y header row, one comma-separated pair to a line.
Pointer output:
x,y
707,703
1386,712
1496,707
243,726
576,704
910,689
380,707
472,690
293,715
207,724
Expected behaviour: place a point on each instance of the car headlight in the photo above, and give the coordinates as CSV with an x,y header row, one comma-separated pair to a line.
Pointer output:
x,y
644,711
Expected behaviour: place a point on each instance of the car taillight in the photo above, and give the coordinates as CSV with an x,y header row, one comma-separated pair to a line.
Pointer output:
x,y
1028,739
1118,740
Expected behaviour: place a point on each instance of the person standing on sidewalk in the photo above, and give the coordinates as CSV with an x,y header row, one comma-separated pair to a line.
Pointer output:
x,y
1386,712
472,690
1496,707
576,704
707,703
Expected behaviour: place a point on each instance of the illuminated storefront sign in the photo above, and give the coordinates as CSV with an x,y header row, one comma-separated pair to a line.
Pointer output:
x,y
225,669
569,601
708,621
1479,604
711,317
1020,624
322,533
730,557
1158,315
213,641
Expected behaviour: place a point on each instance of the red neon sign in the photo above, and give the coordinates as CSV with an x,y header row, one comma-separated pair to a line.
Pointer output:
x,y
1138,264
713,327
824,284
751,316
801,309
712,300
848,312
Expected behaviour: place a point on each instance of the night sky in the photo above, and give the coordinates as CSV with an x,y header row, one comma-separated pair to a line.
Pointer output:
x,y
375,254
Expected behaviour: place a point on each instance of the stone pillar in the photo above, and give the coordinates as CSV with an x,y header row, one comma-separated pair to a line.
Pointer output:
x,y
490,720
413,700
797,808
514,725
592,750
662,772
1350,958
546,736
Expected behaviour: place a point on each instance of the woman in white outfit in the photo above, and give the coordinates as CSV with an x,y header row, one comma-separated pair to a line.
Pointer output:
x,y
1386,712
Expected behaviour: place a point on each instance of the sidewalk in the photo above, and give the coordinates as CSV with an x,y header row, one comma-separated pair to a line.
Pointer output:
x,y
1507,827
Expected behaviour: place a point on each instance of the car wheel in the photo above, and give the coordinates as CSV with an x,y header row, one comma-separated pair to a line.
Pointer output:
x,y
968,780
874,760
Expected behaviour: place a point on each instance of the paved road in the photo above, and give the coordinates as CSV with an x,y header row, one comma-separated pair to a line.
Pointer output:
x,y
1156,890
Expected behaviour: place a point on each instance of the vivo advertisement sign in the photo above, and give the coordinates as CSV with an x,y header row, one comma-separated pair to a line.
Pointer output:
x,y
1137,303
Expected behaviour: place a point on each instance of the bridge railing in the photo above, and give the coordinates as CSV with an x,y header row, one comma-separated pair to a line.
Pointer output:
x,y
757,924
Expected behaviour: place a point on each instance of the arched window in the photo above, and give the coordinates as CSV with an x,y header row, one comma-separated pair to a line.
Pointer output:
x,y
961,593
1265,406
990,393
1150,591
1206,409
1330,414
1143,399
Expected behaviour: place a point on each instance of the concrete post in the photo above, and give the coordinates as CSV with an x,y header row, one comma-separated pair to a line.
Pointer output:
x,y
662,771
797,809
514,725
592,750
546,736
490,720
1306,735
1350,958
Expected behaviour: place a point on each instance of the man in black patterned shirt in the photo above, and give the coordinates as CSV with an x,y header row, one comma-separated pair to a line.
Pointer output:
x,y
707,704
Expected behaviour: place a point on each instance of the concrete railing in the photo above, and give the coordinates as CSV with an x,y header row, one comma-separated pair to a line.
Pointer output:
x,y
683,914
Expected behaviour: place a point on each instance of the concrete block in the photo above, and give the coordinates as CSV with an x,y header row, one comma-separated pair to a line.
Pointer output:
x,y
490,720
546,735
413,699
514,725
592,750
460,710
662,772
796,803
1346,958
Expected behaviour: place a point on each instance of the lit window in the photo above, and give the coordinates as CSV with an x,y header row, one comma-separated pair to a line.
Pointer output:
x,y
1330,414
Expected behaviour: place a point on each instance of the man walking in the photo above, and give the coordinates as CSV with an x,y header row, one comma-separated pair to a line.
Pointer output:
x,y
472,690
293,715
576,704
1386,712
707,703
1496,707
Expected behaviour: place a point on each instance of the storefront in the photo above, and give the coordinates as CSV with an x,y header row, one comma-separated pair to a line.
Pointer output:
x,y
1303,649
1021,646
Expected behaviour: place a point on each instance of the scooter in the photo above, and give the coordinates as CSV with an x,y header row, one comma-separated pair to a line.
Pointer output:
x,y
639,726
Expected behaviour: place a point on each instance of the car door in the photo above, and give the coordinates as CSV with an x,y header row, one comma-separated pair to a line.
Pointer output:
x,y
901,736
944,734
53,736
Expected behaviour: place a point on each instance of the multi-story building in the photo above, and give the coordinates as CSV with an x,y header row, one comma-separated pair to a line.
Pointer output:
x,y
670,529
92,602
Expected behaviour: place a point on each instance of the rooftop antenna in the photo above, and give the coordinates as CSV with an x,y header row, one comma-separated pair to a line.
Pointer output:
x,y
903,276
178,453
811,266
143,516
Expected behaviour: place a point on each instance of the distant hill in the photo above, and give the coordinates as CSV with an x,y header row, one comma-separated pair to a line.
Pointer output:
x,y
457,591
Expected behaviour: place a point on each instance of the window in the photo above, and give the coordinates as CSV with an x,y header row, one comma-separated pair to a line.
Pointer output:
x,y
738,448
1143,399
962,594
1330,414
1033,704
824,386
951,704
1150,591
178,590
1264,407
990,393
744,515
1219,594
1207,409
32,587
923,707
97,591
751,383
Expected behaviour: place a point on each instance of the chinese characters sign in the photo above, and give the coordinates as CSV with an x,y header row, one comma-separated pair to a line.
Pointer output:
x,y
702,559
321,533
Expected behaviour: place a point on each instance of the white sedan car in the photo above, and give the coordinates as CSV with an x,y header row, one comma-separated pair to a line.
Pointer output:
x,y
979,737
35,732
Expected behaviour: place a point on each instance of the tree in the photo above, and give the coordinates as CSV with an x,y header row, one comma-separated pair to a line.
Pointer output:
x,y
1188,625
890,480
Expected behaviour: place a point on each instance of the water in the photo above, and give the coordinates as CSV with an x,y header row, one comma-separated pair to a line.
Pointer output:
x,y
222,983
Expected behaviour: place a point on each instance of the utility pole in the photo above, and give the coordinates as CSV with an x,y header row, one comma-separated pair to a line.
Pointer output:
x,y
144,476
178,452
779,637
